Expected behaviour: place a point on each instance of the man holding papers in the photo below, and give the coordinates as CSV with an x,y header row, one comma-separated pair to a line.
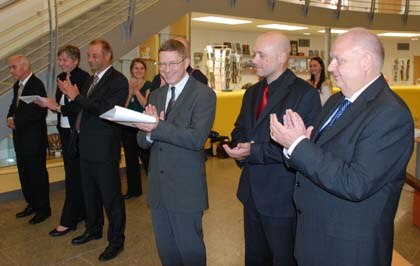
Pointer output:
x,y
27,120
100,148
177,188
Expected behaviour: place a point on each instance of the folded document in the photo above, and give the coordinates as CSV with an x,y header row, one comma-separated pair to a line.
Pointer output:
x,y
126,116
32,98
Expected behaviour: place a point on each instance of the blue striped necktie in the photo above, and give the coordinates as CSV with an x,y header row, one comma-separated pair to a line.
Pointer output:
x,y
340,110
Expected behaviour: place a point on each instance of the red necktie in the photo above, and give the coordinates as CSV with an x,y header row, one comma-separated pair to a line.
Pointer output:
x,y
263,102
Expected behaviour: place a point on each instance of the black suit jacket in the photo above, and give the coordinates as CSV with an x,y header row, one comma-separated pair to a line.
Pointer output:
x,y
99,139
350,180
71,109
30,135
264,173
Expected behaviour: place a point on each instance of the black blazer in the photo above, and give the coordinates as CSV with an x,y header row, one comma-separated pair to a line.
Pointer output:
x,y
71,109
99,139
30,135
264,173
350,180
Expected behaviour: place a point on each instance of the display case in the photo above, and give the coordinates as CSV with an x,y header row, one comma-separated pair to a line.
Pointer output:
x,y
299,64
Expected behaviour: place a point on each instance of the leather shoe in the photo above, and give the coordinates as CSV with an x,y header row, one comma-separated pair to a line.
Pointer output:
x,y
38,218
55,232
110,253
26,212
86,237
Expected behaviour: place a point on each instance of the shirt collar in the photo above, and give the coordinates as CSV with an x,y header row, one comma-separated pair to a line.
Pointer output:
x,y
353,98
26,79
102,73
179,86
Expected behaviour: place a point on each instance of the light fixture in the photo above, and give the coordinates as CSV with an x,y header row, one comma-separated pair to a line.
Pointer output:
x,y
306,33
221,20
414,39
399,34
281,27
334,31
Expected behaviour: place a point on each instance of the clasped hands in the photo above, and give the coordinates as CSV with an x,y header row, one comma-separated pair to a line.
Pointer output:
x,y
67,88
152,111
292,128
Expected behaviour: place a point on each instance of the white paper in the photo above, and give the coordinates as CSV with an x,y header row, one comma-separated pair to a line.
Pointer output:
x,y
32,98
126,116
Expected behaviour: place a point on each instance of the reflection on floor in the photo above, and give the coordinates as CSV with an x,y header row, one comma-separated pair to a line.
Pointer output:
x,y
24,244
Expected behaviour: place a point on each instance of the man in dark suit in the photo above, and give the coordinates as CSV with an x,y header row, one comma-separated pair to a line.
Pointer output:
x,y
352,168
30,140
177,188
195,73
266,185
99,144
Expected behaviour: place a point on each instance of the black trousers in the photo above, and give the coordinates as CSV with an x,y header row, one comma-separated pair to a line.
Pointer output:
x,y
132,152
73,207
268,240
33,178
101,186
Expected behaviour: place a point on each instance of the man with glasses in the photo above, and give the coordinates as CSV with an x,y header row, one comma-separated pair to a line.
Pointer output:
x,y
177,189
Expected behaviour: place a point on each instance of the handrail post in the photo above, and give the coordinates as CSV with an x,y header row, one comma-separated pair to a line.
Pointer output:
x,y
128,25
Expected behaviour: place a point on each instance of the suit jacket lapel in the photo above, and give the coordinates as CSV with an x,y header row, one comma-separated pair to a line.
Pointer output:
x,y
352,111
187,90
100,83
276,96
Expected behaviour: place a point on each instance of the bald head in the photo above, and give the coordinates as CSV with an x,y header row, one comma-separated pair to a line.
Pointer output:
x,y
363,41
19,67
271,51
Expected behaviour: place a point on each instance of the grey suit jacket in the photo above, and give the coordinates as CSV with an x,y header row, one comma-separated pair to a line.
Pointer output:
x,y
177,177
349,181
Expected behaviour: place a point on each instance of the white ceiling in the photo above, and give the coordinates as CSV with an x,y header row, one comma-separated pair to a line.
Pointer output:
x,y
252,27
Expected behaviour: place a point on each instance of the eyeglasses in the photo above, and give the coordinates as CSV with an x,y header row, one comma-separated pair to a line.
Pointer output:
x,y
168,65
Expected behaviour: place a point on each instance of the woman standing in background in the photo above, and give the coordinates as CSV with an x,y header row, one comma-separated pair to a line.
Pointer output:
x,y
139,90
318,79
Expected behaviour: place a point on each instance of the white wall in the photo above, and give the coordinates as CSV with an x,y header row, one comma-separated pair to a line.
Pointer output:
x,y
202,37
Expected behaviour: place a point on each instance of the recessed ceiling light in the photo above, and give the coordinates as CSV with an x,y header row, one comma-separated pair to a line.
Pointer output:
x,y
281,27
306,33
221,20
334,31
414,39
399,34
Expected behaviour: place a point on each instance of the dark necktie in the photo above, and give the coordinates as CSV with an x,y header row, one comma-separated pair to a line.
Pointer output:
x,y
19,93
79,116
171,102
263,101
340,110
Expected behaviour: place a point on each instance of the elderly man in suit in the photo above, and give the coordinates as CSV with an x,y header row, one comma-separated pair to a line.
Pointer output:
x,y
177,188
30,140
266,184
99,144
351,169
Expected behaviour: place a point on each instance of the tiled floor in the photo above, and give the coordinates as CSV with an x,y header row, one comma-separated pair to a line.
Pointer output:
x,y
24,244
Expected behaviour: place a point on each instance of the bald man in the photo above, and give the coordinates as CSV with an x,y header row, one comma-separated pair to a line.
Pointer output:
x,y
266,184
351,169
30,140
158,80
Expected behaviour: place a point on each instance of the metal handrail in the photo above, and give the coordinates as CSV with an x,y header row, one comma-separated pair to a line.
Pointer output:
x,y
7,3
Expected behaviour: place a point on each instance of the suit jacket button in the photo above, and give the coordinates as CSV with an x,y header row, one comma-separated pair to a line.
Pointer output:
x,y
297,184
161,171
299,211
160,149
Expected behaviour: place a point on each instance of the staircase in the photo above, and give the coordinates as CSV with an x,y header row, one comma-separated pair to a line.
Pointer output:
x,y
79,31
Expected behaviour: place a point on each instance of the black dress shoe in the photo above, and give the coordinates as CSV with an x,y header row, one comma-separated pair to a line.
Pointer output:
x,y
26,212
55,232
110,253
86,237
38,218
